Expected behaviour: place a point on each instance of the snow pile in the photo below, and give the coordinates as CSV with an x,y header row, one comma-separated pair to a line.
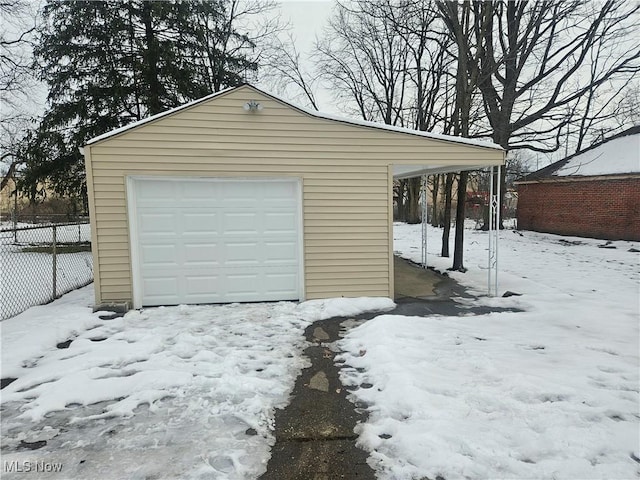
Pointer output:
x,y
620,155
552,392
343,307
171,392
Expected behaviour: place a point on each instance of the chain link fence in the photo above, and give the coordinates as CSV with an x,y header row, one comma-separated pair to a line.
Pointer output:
x,y
21,219
41,263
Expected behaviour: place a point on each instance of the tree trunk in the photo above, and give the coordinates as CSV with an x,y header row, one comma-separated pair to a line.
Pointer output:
x,y
400,188
10,174
151,56
434,200
448,186
503,192
458,252
413,200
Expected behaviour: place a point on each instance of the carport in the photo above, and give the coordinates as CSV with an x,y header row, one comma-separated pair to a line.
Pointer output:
x,y
411,171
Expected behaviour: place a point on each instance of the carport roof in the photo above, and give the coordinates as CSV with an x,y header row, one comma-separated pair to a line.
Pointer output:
x,y
409,171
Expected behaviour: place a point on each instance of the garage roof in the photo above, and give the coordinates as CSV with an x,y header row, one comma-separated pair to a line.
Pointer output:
x,y
314,113
399,171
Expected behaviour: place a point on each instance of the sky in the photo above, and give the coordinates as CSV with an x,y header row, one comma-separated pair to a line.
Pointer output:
x,y
307,19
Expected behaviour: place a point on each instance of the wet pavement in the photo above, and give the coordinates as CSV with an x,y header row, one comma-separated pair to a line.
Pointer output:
x,y
315,437
314,433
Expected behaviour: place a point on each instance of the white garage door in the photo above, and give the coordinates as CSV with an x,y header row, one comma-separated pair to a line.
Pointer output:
x,y
215,240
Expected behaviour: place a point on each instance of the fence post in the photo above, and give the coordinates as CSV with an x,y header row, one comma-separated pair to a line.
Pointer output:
x,y
15,217
55,267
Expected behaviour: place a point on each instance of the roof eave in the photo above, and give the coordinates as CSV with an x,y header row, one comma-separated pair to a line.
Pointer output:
x,y
578,178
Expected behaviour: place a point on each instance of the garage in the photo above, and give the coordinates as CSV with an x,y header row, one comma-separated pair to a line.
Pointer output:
x,y
241,196
214,240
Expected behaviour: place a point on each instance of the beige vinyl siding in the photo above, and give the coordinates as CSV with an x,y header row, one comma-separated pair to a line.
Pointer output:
x,y
345,180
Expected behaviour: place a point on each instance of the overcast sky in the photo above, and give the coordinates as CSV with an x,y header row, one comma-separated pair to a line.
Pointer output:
x,y
307,19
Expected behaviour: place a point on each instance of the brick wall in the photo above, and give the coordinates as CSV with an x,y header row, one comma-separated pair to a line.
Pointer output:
x,y
607,209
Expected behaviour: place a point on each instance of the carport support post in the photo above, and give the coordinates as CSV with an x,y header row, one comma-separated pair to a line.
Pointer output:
x,y
494,230
423,191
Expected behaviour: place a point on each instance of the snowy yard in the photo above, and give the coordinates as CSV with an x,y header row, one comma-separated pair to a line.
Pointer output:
x,y
175,392
190,391
551,392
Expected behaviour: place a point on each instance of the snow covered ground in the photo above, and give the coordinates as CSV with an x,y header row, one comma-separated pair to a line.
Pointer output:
x,y
170,392
190,391
551,392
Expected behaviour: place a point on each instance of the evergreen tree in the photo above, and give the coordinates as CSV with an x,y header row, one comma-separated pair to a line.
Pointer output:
x,y
108,63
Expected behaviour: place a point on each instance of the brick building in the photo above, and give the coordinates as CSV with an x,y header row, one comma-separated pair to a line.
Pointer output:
x,y
595,193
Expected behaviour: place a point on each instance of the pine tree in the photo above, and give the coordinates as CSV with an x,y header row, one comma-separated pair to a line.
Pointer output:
x,y
108,63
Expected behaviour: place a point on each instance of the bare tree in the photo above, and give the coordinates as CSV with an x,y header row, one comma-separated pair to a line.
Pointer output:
x,y
526,74
459,20
628,108
15,53
446,222
16,81
429,66
391,61
285,70
534,64
364,59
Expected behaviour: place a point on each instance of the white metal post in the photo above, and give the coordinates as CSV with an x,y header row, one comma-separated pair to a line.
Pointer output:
x,y
494,232
423,191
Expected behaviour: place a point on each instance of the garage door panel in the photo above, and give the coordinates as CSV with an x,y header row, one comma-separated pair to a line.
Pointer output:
x,y
242,283
280,283
280,223
156,194
196,254
153,255
241,253
202,284
198,191
205,222
241,223
161,286
157,222
278,192
216,241
278,252
240,201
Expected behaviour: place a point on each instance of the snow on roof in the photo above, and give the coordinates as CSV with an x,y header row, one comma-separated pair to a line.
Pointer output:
x,y
314,113
617,156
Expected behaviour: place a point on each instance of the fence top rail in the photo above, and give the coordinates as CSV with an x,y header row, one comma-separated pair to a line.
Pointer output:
x,y
37,227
